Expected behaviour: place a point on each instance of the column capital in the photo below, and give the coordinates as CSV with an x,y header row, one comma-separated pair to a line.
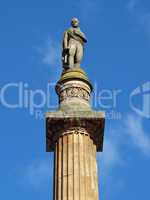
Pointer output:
x,y
57,123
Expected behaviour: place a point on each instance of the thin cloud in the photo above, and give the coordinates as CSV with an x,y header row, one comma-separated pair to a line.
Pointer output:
x,y
109,161
111,154
145,22
131,5
142,18
110,157
37,174
88,9
138,136
50,52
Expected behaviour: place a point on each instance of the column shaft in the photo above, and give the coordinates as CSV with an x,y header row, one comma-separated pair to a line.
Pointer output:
x,y
75,168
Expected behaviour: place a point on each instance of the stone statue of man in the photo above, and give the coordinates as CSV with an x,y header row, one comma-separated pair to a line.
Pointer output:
x,y
73,43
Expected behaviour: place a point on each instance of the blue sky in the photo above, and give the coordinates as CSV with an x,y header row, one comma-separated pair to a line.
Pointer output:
x,y
117,60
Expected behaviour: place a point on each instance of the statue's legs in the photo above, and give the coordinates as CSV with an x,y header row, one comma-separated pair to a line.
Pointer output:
x,y
79,54
72,51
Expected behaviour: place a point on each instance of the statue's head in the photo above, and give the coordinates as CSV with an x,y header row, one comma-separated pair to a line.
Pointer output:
x,y
75,22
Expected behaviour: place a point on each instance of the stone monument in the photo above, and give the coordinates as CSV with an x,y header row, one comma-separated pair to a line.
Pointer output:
x,y
74,132
73,42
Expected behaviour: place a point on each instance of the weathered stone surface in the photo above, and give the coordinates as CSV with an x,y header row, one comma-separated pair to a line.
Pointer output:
x,y
74,86
91,122
75,154
75,132
73,42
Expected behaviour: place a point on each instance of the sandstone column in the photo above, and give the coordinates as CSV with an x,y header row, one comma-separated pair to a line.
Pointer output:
x,y
75,133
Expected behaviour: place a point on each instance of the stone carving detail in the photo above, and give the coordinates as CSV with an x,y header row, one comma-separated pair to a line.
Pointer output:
x,y
74,92
72,130
87,125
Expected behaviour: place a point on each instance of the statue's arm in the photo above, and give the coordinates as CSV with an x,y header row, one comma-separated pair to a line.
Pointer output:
x,y
82,35
65,40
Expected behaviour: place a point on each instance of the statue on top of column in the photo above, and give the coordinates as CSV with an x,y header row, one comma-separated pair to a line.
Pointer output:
x,y
73,43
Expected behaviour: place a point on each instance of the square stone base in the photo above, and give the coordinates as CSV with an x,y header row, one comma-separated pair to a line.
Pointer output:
x,y
58,121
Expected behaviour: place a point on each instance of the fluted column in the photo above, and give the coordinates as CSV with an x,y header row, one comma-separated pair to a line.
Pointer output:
x,y
75,167
74,132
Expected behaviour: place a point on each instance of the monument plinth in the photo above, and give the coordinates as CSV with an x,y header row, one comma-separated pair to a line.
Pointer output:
x,y
74,133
